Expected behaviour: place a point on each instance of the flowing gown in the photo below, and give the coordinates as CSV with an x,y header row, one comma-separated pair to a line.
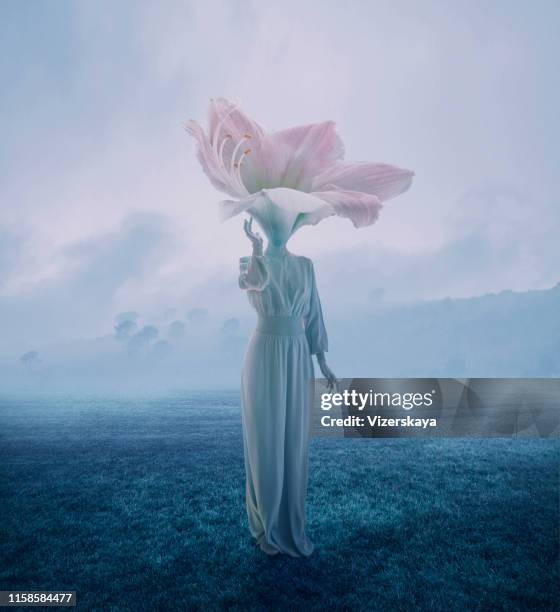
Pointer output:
x,y
276,393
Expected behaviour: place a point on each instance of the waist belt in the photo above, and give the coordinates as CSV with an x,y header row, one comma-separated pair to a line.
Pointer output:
x,y
280,326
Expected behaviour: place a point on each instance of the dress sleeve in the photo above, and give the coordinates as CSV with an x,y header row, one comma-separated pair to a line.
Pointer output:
x,y
253,273
314,325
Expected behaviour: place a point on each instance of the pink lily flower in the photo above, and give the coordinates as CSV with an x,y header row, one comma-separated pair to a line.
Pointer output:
x,y
299,170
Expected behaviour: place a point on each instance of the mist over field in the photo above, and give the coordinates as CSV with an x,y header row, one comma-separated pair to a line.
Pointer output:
x,y
502,335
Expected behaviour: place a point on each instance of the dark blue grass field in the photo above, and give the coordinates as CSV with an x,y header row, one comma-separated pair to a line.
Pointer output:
x,y
139,505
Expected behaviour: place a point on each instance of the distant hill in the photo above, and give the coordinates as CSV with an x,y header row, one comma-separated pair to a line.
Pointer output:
x,y
507,334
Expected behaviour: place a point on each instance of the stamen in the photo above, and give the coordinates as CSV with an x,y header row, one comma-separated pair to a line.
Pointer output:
x,y
232,177
238,167
218,128
218,153
221,153
235,169
234,154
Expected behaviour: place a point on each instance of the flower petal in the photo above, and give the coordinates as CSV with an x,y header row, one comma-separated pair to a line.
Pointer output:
x,y
284,210
231,208
382,180
279,212
233,137
223,151
293,201
361,208
291,158
208,161
225,117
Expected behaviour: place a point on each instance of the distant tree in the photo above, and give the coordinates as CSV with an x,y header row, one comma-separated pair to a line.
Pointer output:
x,y
197,314
176,330
124,330
129,315
142,338
162,347
230,327
30,358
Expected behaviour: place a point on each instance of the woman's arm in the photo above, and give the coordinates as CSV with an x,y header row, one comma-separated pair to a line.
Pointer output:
x,y
253,274
327,372
317,333
254,237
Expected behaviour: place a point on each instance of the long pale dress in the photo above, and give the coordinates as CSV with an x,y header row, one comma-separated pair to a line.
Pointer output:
x,y
276,394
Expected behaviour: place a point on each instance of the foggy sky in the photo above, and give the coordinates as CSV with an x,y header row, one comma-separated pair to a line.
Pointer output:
x,y
104,208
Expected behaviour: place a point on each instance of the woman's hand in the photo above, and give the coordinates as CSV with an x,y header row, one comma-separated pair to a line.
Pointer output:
x,y
254,237
332,383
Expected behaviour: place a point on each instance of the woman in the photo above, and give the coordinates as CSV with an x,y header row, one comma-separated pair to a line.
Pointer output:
x,y
276,390
285,179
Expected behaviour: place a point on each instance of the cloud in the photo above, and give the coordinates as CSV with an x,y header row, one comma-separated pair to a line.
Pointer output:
x,y
83,295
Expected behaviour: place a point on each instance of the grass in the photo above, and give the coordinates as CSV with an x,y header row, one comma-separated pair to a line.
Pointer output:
x,y
139,505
